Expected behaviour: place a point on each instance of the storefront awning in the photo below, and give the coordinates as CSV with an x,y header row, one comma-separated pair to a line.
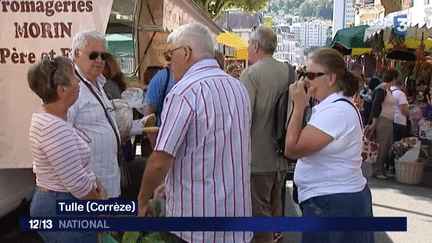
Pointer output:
x,y
350,41
415,22
231,39
120,45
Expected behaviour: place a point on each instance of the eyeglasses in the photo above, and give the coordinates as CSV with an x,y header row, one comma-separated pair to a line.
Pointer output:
x,y
312,76
168,54
94,54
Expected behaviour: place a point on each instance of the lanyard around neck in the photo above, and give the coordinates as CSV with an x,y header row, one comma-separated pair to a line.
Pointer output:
x,y
102,104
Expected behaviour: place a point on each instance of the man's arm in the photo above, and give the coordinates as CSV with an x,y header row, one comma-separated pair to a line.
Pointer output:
x,y
404,109
156,169
149,109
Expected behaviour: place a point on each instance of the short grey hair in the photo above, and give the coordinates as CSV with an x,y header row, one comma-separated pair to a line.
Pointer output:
x,y
197,37
44,77
266,39
80,40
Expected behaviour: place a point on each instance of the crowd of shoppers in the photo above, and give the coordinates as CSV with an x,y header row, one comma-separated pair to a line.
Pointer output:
x,y
214,155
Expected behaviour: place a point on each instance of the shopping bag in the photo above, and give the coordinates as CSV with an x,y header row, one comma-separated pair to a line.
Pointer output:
x,y
370,147
123,117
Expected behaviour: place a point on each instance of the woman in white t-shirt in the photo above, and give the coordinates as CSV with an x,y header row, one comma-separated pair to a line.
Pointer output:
x,y
328,171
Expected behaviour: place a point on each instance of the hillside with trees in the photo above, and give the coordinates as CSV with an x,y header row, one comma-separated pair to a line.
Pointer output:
x,y
319,9
215,7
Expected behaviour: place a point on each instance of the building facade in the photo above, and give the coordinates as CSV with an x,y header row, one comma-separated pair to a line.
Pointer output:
x,y
346,19
310,34
286,48
369,12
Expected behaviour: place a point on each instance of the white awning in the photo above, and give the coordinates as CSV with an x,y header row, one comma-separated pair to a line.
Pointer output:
x,y
419,20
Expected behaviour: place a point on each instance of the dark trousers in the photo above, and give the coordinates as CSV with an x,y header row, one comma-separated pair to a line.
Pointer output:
x,y
399,132
358,204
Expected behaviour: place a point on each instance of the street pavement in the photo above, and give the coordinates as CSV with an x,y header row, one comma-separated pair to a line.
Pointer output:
x,y
390,199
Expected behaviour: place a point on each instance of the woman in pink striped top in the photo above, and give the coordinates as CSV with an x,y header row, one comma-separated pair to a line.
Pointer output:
x,y
61,156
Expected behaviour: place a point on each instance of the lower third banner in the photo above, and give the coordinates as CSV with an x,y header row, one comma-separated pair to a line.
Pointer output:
x,y
212,224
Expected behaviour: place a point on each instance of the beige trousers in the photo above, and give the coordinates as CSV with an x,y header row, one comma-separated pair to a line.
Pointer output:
x,y
384,137
266,199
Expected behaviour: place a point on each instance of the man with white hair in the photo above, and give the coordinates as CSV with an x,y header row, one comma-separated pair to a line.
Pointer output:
x,y
266,79
89,54
202,149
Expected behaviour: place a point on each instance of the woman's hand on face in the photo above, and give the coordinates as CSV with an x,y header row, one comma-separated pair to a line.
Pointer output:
x,y
299,94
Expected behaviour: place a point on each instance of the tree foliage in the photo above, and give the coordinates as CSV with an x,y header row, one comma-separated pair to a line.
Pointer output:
x,y
215,7
287,6
321,9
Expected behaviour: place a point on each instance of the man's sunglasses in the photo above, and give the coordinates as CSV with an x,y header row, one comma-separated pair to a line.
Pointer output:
x,y
94,54
311,75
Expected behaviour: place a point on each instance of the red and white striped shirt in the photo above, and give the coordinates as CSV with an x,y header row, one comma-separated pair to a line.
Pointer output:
x,y
206,128
61,158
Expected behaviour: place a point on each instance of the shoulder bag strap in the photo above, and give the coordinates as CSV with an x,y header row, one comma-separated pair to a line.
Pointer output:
x,y
355,108
103,107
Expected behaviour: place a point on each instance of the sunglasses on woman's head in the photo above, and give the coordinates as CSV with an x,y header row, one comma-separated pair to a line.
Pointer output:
x,y
312,76
94,54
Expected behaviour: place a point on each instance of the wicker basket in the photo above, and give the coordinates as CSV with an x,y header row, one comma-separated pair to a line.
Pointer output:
x,y
409,172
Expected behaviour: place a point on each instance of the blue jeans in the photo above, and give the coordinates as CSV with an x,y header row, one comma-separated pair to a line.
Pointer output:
x,y
357,204
43,204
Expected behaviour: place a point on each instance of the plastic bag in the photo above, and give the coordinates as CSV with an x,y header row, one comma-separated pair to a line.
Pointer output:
x,y
135,98
124,117
412,154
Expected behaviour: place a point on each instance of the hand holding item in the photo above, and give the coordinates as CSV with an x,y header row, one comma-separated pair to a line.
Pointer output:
x,y
145,209
145,124
160,191
101,191
150,130
300,94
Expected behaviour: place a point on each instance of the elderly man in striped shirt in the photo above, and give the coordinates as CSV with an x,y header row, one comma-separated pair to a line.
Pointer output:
x,y
203,146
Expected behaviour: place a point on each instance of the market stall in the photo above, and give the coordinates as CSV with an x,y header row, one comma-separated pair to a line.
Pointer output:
x,y
350,41
413,23
238,45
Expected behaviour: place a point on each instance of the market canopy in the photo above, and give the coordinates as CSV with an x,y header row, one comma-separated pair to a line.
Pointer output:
x,y
231,39
413,43
413,23
120,45
351,41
